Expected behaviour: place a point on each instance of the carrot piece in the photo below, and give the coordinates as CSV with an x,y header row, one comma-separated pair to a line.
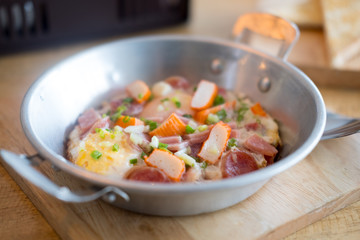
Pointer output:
x,y
170,164
201,116
204,96
258,110
215,145
139,90
170,127
125,121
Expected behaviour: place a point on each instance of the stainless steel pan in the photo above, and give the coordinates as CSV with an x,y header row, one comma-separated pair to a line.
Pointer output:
x,y
53,103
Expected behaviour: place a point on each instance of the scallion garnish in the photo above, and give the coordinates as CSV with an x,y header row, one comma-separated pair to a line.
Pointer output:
x,y
116,147
140,96
152,125
143,155
187,115
118,113
133,161
189,129
164,100
221,114
126,119
232,143
218,100
162,145
241,112
176,101
100,132
204,165
127,100
95,154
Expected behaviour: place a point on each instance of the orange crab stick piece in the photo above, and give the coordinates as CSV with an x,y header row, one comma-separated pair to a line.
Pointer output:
x,y
167,162
201,116
215,145
204,95
170,127
139,91
258,110
125,121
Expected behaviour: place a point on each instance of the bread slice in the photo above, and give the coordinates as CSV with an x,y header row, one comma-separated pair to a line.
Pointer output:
x,y
342,26
305,13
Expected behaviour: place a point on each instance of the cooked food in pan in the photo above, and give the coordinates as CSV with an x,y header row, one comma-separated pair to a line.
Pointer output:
x,y
174,132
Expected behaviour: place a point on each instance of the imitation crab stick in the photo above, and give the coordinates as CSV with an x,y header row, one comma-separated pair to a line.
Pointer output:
x,y
125,121
170,127
204,95
214,146
201,116
170,164
139,91
258,110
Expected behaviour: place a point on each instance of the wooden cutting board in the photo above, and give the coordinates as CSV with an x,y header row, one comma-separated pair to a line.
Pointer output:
x,y
327,180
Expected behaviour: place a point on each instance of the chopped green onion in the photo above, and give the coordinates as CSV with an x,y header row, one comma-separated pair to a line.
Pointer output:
x,y
202,128
143,155
195,88
189,161
204,165
162,145
95,154
187,115
164,100
212,118
152,125
118,113
127,100
176,101
116,147
189,129
133,161
232,143
100,132
151,97
218,100
140,96
241,112
126,119
221,114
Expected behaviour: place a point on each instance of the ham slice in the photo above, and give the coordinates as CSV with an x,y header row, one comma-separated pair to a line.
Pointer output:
x,y
178,82
133,108
87,120
195,138
259,145
170,140
174,147
147,174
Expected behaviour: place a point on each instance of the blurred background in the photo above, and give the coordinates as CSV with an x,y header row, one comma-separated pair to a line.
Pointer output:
x,y
33,24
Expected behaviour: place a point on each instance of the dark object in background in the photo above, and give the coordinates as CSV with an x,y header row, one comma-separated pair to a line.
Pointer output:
x,y
28,24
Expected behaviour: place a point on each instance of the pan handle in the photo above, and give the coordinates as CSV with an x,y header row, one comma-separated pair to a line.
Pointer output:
x,y
23,166
254,29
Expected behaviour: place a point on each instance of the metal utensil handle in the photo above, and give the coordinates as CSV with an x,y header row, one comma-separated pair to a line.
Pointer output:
x,y
269,26
22,165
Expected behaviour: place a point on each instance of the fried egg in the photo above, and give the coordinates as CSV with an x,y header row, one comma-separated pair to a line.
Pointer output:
x,y
104,152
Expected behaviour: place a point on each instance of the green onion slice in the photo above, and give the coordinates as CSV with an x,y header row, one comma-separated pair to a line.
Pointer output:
x,y
96,154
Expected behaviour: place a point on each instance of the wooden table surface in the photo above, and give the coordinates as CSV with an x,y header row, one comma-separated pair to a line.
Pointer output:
x,y
20,219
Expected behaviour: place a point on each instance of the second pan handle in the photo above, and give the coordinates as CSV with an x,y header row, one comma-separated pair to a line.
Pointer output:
x,y
269,26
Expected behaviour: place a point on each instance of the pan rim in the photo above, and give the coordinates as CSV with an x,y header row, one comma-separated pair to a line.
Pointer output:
x,y
133,186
